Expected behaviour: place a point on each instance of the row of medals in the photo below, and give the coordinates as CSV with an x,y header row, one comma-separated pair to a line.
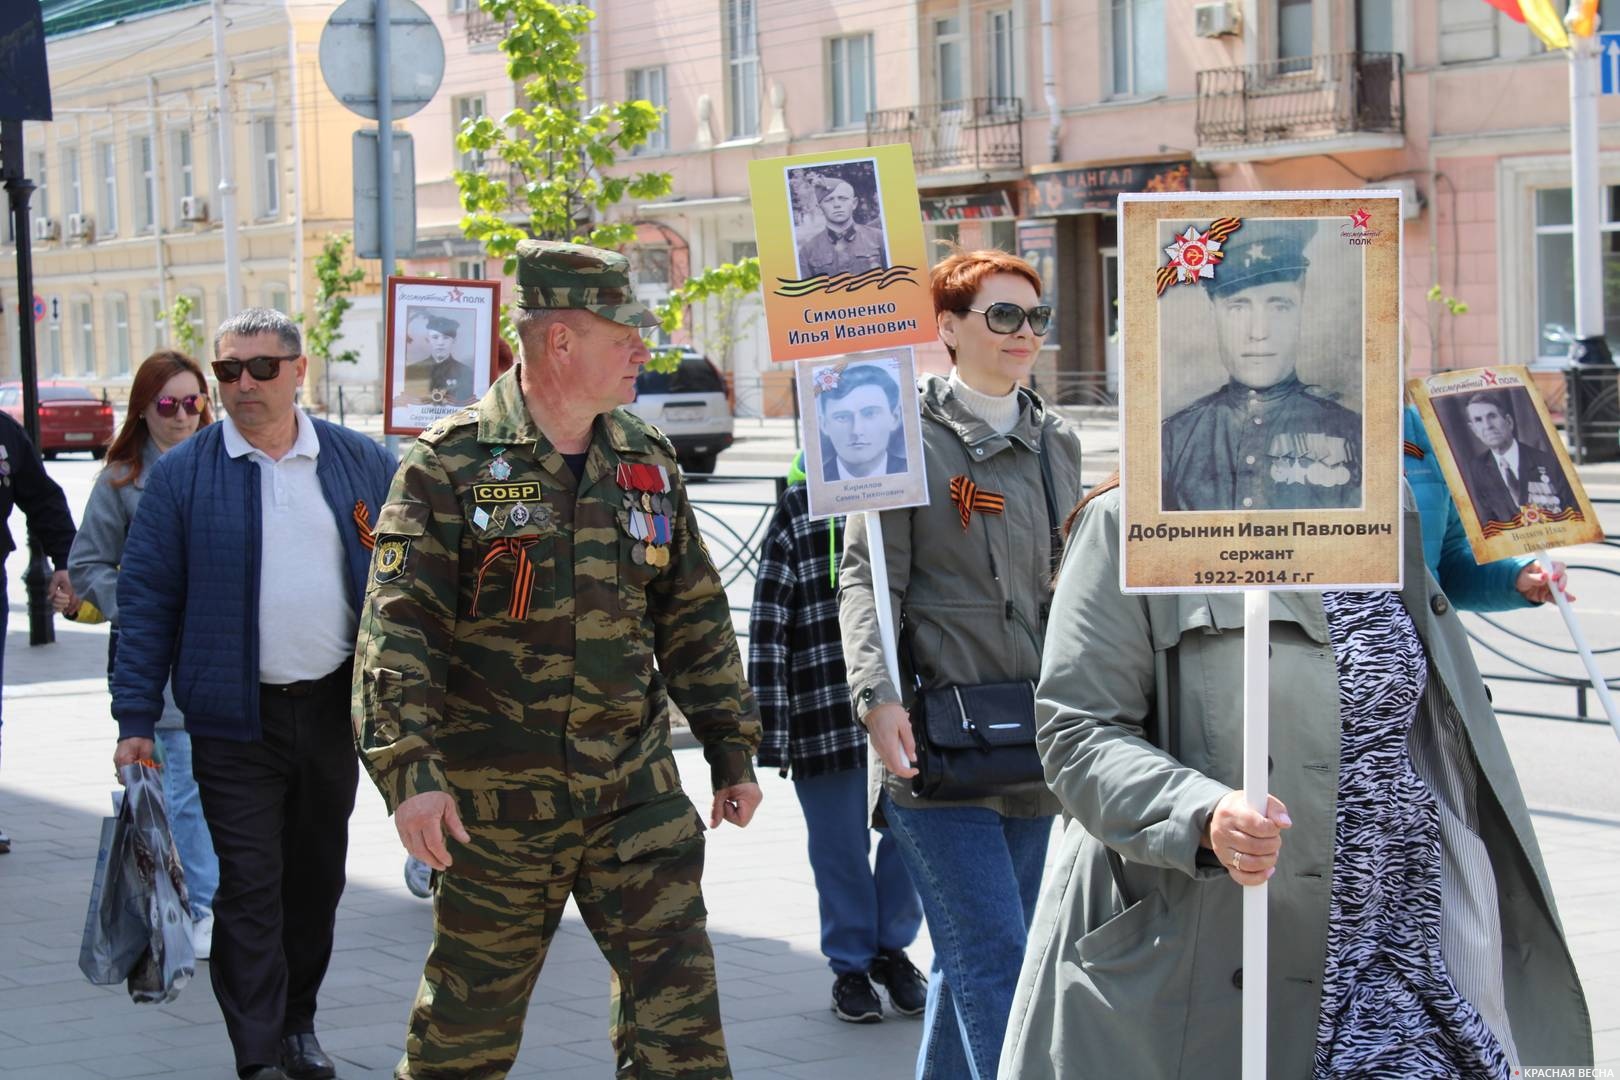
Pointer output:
x,y
645,552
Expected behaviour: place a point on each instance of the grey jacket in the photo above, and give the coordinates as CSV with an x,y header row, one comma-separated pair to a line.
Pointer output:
x,y
99,548
973,601
1140,708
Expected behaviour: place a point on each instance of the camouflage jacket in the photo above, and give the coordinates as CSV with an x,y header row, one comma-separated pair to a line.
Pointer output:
x,y
506,655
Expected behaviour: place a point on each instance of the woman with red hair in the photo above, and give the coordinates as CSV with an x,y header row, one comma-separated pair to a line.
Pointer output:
x,y
168,402
969,575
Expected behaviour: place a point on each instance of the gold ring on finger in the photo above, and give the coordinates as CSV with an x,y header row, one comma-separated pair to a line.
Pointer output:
x,y
1237,861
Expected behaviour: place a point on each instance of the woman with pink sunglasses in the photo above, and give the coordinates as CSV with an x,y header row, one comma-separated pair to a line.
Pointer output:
x,y
168,402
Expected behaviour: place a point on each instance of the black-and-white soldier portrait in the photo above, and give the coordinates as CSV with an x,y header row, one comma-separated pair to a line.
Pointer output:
x,y
838,222
438,377
1267,437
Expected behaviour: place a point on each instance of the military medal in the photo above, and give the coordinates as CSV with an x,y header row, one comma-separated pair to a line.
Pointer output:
x,y
499,467
520,515
480,518
638,554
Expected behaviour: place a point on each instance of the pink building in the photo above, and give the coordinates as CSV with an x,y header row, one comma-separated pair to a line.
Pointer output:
x,y
1028,117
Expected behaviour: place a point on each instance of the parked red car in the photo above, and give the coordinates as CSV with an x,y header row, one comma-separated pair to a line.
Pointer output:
x,y
70,417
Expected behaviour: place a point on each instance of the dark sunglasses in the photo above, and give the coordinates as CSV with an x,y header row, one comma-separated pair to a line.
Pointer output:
x,y
262,368
168,406
1005,317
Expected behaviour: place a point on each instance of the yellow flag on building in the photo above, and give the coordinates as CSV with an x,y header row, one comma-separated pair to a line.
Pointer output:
x,y
1545,23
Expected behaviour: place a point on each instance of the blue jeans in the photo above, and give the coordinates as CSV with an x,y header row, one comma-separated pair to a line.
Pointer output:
x,y
863,908
979,874
172,750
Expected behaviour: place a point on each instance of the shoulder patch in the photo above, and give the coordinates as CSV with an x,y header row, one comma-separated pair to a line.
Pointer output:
x,y
445,425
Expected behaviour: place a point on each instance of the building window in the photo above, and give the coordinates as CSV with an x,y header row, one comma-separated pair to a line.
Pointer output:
x,y
107,166
1001,68
196,320
465,110
157,323
75,179
647,84
1555,269
851,78
1375,26
53,348
85,323
265,144
118,324
1138,47
948,58
470,269
36,169
742,67
183,168
146,196
744,249
459,7
276,298
1294,35
651,266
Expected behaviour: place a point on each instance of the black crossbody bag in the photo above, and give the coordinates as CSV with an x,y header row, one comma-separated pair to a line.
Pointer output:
x,y
978,739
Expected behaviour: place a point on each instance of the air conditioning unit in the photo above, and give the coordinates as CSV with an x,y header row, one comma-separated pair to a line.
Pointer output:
x,y
193,208
1216,20
45,229
81,227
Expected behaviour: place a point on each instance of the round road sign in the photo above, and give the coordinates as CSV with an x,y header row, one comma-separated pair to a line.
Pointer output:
x,y
39,308
415,57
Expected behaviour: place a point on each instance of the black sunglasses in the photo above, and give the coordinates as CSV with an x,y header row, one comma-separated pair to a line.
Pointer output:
x,y
1005,317
262,368
168,406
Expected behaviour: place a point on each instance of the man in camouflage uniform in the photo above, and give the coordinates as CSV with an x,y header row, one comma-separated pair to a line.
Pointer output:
x,y
536,556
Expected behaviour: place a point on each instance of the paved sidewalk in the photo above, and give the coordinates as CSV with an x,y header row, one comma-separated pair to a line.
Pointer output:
x,y
55,1026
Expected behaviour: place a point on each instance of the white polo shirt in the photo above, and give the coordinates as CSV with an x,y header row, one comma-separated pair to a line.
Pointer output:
x,y
306,624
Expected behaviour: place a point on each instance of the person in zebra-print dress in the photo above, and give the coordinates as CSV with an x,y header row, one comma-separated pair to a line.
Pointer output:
x,y
1389,1006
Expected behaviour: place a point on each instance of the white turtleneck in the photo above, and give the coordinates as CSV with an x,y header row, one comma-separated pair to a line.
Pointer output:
x,y
1001,413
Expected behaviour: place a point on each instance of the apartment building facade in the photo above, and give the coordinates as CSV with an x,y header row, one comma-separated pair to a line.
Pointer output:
x,y
1028,117
126,216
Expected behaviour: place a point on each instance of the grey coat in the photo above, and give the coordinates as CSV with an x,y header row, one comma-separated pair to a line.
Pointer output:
x,y
99,548
1142,978
973,600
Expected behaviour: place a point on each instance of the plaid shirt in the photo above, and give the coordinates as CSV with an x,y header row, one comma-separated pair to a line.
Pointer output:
x,y
795,650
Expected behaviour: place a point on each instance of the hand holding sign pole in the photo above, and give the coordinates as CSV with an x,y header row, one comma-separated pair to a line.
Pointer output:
x,y
1516,491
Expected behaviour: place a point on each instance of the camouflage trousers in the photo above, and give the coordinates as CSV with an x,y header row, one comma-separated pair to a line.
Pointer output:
x,y
636,876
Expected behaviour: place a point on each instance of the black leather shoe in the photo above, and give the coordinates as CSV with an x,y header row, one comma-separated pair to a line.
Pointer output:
x,y
303,1059
264,1072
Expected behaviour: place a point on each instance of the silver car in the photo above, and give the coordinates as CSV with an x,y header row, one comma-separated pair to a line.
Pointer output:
x,y
690,406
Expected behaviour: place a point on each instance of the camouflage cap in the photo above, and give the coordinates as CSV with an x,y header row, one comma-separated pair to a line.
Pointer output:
x,y
553,275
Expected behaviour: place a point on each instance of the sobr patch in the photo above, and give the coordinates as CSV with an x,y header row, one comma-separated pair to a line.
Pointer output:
x,y
391,557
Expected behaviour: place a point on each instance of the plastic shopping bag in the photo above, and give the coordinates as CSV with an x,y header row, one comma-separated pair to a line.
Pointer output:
x,y
139,925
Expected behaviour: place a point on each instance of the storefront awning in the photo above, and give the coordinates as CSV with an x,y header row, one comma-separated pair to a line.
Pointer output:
x,y
1078,189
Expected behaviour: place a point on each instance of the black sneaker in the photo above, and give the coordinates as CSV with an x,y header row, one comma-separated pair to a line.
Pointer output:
x,y
908,990
5,842
854,999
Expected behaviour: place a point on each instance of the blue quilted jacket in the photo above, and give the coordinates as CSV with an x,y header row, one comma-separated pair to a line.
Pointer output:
x,y
188,588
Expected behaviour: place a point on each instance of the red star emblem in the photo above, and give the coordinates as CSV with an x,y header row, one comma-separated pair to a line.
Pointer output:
x,y
1359,219
1488,377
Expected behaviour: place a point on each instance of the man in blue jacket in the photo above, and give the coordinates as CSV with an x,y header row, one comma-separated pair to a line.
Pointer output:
x,y
242,578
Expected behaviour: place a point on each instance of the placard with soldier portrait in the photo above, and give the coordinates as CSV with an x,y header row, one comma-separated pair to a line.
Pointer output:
x,y
841,252
862,430
1515,489
441,348
1261,392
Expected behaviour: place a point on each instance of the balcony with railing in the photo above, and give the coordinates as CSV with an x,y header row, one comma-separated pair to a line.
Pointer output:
x,y
1351,100
483,28
973,135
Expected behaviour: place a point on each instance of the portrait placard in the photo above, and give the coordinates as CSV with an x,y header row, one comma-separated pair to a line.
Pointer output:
x,y
862,432
441,348
1261,413
841,252
1515,489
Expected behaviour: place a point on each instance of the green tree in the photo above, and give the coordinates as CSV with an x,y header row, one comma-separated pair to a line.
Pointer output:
x,y
186,338
335,280
549,162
